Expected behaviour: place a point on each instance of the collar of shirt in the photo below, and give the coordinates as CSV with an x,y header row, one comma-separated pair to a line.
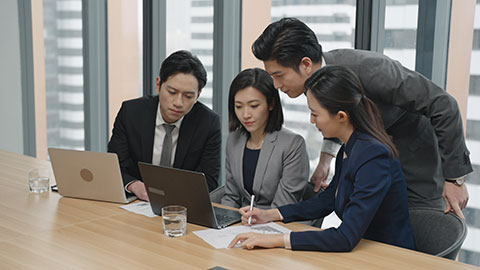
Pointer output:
x,y
160,121
324,63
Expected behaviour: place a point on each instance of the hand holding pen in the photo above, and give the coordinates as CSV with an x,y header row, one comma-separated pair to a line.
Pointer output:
x,y
251,215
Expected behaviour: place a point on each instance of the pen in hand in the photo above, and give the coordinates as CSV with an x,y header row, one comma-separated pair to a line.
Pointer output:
x,y
251,208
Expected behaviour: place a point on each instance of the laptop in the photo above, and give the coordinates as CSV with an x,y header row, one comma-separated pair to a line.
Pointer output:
x,y
88,175
171,186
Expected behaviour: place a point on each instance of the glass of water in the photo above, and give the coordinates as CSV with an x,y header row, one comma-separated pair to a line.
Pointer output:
x,y
174,220
39,180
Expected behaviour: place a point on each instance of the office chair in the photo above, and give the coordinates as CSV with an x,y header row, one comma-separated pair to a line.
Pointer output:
x,y
437,233
217,194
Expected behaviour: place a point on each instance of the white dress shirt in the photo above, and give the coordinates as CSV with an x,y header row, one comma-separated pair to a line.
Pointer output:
x,y
158,140
159,136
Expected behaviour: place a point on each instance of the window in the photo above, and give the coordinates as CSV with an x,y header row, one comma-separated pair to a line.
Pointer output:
x,y
64,73
470,252
193,31
76,95
401,31
334,23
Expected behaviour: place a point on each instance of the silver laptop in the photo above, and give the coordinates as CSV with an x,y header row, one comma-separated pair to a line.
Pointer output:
x,y
88,175
171,186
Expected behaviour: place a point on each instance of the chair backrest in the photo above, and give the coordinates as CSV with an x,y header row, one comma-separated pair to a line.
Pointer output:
x,y
308,194
217,194
437,233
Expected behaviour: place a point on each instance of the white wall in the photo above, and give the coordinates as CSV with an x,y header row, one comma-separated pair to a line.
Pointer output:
x,y
11,129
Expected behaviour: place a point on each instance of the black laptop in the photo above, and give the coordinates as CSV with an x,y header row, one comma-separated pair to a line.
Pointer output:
x,y
171,186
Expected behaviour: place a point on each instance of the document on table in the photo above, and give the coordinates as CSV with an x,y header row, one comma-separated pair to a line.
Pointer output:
x,y
221,238
142,208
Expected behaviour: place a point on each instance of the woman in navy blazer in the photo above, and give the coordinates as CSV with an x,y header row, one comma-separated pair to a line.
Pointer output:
x,y
368,192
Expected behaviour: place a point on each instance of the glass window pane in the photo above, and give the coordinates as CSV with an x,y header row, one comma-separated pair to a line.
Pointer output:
x,y
401,31
470,252
64,73
333,21
190,27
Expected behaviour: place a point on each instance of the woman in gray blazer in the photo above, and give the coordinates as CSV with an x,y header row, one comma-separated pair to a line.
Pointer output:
x,y
262,159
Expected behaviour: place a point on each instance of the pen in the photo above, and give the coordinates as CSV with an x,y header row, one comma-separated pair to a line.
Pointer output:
x,y
251,208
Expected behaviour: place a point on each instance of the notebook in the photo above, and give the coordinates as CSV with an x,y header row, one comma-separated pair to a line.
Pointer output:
x,y
88,175
171,186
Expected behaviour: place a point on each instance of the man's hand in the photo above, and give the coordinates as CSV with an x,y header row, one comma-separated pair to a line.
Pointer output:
x,y
138,188
320,175
251,240
456,198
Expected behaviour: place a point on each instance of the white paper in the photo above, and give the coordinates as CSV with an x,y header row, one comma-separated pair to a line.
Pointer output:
x,y
142,208
221,238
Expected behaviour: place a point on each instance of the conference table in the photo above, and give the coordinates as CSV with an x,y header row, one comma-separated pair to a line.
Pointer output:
x,y
48,231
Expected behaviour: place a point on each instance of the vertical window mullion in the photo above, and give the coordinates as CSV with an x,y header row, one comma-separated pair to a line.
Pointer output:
x,y
95,74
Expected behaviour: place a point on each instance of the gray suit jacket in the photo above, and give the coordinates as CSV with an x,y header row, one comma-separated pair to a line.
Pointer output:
x,y
423,119
281,174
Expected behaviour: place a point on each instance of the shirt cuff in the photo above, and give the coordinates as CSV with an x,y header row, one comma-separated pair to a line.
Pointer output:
x,y
330,147
286,241
126,186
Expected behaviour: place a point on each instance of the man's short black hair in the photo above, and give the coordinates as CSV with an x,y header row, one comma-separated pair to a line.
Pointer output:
x,y
287,41
263,82
183,62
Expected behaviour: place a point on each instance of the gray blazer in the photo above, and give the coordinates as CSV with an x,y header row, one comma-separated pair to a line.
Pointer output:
x,y
423,119
281,174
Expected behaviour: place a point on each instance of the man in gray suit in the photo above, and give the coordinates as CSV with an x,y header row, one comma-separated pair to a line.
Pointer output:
x,y
423,119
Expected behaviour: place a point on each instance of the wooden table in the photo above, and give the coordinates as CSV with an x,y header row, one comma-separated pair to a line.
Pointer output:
x,y
48,231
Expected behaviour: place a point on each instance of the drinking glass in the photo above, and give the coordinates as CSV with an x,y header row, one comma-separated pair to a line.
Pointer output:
x,y
39,180
174,220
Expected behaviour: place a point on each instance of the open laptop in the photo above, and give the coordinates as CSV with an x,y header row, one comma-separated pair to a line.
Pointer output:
x,y
88,175
171,186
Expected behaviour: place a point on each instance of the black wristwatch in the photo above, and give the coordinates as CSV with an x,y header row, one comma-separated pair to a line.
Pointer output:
x,y
459,181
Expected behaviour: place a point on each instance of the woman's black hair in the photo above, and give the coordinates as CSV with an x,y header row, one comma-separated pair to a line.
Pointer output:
x,y
337,88
263,82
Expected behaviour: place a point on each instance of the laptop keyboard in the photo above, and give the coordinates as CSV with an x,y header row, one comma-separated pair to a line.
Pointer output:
x,y
226,216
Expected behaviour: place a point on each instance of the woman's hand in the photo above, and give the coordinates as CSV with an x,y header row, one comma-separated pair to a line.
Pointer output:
x,y
259,216
251,240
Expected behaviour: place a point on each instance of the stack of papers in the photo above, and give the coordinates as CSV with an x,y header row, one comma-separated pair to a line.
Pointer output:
x,y
221,238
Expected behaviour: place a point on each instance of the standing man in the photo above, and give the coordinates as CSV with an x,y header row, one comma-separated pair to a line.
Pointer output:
x,y
171,128
423,119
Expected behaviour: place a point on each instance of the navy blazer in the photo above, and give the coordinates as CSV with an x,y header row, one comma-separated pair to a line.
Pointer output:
x,y
198,146
422,118
368,193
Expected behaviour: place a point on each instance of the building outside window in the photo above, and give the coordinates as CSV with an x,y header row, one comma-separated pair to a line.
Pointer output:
x,y
334,23
193,31
401,17
64,73
470,252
